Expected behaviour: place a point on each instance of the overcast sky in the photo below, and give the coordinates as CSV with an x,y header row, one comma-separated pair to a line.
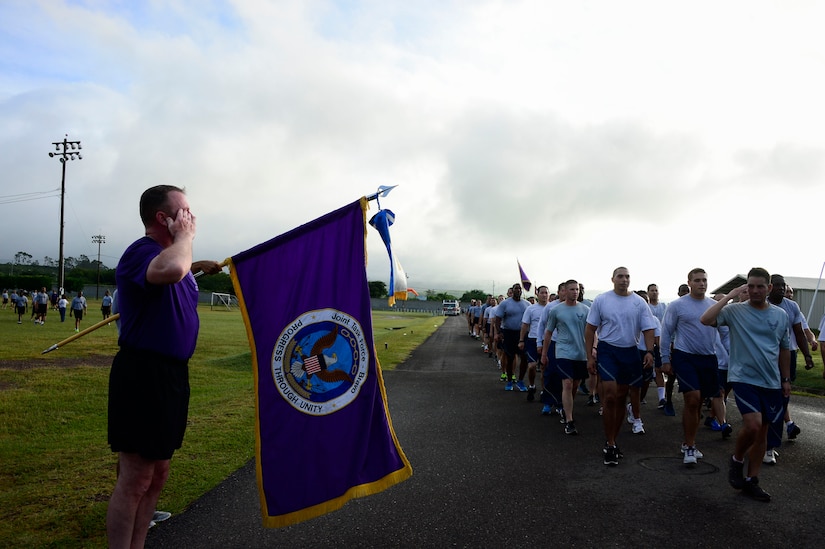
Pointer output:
x,y
574,136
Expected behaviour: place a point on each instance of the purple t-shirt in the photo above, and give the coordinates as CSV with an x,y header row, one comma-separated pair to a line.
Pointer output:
x,y
159,318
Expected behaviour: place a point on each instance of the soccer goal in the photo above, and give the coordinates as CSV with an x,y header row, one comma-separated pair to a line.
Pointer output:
x,y
223,301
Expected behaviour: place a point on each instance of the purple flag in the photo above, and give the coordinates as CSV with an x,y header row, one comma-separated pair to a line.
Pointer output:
x,y
323,430
525,282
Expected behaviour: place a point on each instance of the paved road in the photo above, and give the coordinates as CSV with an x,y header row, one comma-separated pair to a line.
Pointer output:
x,y
490,471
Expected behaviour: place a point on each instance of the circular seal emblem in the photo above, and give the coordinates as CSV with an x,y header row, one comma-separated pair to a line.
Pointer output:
x,y
320,361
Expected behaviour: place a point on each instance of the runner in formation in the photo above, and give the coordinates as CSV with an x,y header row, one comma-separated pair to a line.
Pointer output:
x,y
706,345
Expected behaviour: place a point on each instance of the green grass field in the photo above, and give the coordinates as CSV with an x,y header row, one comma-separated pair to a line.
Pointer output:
x,y
56,470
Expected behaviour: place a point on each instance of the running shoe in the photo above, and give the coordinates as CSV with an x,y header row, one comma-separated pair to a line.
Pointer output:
x,y
619,453
662,403
752,490
521,387
630,417
638,427
736,477
562,416
160,516
690,456
770,456
508,386
590,401
570,428
611,456
727,430
531,394
503,377
793,431
696,452
546,410
668,409
714,425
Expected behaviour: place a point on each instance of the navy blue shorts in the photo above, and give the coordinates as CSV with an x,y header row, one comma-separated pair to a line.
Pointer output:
x,y
531,350
723,379
696,373
758,400
550,375
572,369
619,364
793,365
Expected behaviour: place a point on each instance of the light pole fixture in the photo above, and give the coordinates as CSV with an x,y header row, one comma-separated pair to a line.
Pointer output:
x,y
65,150
98,239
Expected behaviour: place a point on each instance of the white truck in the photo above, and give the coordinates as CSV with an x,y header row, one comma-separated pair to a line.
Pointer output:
x,y
451,307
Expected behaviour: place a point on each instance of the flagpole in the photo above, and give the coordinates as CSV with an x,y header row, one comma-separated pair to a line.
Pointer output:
x,y
100,324
811,309
88,330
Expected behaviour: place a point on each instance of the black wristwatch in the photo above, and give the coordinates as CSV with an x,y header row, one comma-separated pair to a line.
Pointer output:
x,y
786,380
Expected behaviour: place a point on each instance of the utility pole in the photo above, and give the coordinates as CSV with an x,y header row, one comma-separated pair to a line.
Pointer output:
x,y
66,150
98,239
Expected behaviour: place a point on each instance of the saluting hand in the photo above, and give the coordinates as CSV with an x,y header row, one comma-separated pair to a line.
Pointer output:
x,y
183,225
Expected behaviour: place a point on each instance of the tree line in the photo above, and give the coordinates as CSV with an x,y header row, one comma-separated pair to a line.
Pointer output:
x,y
29,273
378,289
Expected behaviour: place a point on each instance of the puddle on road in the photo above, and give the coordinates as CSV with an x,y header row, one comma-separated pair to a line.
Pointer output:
x,y
674,465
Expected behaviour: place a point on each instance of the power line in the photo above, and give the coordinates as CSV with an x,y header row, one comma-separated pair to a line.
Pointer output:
x,y
25,197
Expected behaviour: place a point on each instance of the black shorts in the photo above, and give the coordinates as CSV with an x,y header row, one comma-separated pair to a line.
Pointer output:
x,y
42,308
107,309
148,403
78,313
510,340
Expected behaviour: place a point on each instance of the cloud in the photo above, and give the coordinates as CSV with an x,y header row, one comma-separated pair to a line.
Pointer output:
x,y
573,136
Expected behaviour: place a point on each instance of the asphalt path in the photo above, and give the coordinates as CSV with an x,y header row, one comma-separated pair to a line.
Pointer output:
x,y
490,471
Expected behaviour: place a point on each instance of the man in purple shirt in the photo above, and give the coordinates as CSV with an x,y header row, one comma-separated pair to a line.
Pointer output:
x,y
149,381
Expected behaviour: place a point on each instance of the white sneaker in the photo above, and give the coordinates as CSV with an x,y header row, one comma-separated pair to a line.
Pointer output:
x,y
638,427
630,417
690,456
696,452
160,516
770,457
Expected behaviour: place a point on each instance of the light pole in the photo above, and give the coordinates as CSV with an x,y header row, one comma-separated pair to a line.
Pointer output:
x,y
66,150
98,239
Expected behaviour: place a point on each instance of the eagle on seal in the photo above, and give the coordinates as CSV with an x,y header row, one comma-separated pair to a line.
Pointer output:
x,y
317,363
